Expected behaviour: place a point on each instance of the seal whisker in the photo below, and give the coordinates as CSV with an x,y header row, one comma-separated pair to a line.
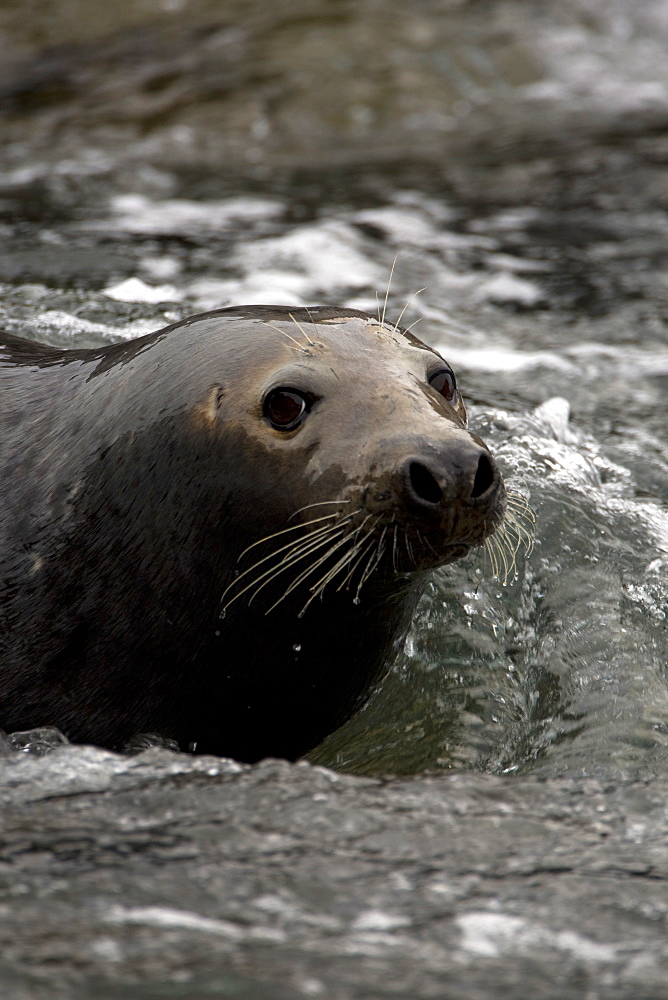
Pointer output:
x,y
315,325
357,548
491,550
318,589
506,560
503,561
318,535
488,553
526,537
521,536
516,531
409,328
296,544
508,539
330,551
298,347
425,541
512,547
311,343
305,547
521,521
357,554
320,503
363,550
519,503
374,559
387,290
295,555
297,550
505,545
293,527
322,559
379,556
351,536
408,302
514,496
395,565
520,516
409,549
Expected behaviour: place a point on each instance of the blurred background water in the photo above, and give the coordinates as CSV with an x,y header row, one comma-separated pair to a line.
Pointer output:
x,y
157,159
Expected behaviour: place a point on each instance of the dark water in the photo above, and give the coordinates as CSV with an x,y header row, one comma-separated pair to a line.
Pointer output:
x,y
160,158
525,198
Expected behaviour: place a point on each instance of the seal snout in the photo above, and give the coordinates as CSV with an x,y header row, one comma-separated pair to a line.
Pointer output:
x,y
486,476
420,484
465,473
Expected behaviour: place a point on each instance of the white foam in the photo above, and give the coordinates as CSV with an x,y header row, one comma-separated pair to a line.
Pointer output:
x,y
136,290
495,934
135,213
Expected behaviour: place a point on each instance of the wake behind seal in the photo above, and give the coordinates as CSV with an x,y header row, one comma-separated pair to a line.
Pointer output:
x,y
219,532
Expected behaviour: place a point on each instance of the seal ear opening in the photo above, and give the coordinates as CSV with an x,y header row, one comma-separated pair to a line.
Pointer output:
x,y
212,403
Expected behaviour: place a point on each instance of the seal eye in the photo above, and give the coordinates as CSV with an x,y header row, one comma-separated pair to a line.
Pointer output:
x,y
443,382
284,408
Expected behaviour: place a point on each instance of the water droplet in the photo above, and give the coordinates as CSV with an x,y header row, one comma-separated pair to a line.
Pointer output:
x,y
297,647
217,632
356,600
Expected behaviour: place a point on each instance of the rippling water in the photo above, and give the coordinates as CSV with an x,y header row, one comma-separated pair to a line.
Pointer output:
x,y
515,162
562,667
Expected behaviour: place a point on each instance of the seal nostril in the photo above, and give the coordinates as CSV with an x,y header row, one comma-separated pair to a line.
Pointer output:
x,y
484,476
423,483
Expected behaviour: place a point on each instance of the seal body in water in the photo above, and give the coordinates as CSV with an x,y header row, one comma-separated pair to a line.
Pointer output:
x,y
219,532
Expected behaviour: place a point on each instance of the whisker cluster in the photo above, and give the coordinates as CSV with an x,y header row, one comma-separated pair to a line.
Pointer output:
x,y
516,531
297,345
329,544
381,314
381,319
311,343
408,302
